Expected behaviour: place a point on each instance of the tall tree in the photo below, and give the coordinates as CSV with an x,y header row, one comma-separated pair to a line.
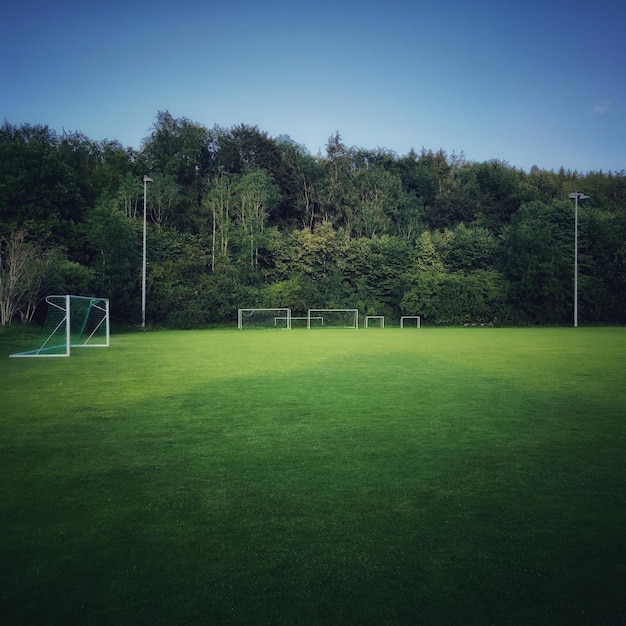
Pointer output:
x,y
308,173
38,190
377,192
165,196
497,194
129,196
181,150
537,257
337,192
243,148
114,241
21,270
219,201
257,196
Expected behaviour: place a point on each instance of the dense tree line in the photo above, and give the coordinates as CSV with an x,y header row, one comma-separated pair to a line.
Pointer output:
x,y
237,218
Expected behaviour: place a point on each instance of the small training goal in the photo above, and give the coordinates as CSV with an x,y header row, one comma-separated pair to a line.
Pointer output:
x,y
332,318
378,321
264,318
72,322
410,321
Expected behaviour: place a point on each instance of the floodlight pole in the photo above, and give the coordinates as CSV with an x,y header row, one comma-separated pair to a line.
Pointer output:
x,y
576,196
146,180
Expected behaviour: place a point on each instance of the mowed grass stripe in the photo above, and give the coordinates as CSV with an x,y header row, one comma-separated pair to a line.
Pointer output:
x,y
379,476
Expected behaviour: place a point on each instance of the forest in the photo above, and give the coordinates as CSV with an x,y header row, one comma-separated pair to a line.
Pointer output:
x,y
236,218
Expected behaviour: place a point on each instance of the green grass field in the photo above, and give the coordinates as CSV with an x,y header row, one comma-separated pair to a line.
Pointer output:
x,y
433,476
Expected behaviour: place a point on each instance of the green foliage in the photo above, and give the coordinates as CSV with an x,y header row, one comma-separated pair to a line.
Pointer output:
x,y
464,249
69,277
427,258
297,293
538,262
424,295
374,269
116,258
306,174
257,195
179,149
39,190
353,227
477,297
497,194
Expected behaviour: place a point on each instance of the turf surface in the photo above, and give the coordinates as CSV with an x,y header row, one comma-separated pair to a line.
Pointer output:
x,y
433,476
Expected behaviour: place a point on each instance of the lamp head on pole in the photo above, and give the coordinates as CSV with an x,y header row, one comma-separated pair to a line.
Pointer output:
x,y
578,196
147,179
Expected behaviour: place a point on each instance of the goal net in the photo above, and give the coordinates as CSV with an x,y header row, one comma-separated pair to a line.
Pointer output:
x,y
72,322
264,318
333,318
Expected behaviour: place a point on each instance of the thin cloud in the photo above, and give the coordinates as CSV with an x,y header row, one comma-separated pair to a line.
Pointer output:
x,y
602,107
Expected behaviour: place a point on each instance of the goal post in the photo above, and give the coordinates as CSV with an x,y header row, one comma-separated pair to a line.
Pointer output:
x,y
264,318
377,320
72,322
332,318
414,321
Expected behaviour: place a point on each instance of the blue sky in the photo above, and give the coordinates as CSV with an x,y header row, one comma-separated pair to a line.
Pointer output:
x,y
541,82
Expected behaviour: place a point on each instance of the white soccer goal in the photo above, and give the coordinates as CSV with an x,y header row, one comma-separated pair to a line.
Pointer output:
x,y
332,318
264,318
378,320
72,322
415,321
